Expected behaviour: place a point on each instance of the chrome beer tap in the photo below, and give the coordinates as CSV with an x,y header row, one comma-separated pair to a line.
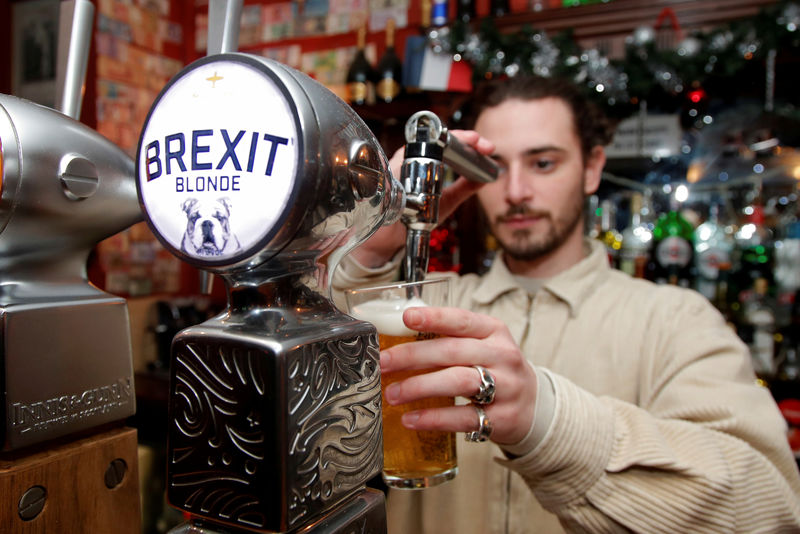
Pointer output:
x,y
257,173
66,362
253,171
430,147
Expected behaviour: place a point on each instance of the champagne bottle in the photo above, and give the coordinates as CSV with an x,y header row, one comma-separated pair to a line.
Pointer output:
x,y
636,241
426,11
360,75
390,69
672,247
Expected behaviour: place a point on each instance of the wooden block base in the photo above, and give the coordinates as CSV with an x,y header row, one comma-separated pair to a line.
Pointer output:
x,y
83,487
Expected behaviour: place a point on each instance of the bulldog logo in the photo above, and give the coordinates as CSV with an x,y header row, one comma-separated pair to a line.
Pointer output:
x,y
208,231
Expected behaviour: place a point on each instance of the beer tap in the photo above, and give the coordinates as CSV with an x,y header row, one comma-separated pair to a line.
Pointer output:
x,y
66,369
430,147
66,363
252,170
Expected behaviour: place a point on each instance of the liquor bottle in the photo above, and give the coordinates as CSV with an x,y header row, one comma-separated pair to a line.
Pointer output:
x,y
426,12
787,259
722,296
785,386
591,227
360,75
712,247
500,8
439,12
390,69
609,235
465,10
753,246
759,328
637,238
672,247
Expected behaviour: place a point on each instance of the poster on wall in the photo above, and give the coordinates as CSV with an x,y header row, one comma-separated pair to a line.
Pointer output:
x,y
33,50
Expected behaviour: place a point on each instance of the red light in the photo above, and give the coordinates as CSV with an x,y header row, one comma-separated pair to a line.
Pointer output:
x,y
697,95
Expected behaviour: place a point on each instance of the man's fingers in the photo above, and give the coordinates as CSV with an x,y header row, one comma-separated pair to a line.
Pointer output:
x,y
473,139
452,382
432,354
454,322
453,419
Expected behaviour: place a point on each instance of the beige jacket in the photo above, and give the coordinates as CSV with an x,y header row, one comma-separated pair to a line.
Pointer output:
x,y
658,424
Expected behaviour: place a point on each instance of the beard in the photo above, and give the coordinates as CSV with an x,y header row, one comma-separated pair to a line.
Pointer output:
x,y
525,244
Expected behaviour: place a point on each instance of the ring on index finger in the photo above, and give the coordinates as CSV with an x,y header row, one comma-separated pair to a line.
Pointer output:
x,y
485,394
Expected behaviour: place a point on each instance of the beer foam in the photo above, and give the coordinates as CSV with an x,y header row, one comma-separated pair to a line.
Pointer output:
x,y
387,314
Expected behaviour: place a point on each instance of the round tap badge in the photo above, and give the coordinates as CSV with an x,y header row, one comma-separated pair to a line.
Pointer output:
x,y
218,158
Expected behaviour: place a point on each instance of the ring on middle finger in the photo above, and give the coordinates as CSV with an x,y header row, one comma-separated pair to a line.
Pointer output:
x,y
485,394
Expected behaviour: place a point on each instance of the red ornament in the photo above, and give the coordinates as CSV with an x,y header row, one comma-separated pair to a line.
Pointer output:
x,y
696,95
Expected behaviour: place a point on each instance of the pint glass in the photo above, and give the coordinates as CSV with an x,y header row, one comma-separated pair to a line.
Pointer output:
x,y
411,459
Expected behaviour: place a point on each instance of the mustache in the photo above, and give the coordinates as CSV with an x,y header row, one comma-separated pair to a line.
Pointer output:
x,y
521,210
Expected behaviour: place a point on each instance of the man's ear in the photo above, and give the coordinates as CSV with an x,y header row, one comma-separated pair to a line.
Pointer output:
x,y
593,170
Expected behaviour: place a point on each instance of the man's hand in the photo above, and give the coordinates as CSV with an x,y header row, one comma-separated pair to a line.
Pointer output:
x,y
472,339
386,241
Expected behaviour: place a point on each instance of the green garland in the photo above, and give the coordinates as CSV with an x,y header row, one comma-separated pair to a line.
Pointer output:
x,y
725,62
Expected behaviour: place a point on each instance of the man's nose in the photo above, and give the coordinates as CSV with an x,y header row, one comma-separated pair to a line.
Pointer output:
x,y
518,189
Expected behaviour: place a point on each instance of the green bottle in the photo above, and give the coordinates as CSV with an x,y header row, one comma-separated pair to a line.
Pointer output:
x,y
672,248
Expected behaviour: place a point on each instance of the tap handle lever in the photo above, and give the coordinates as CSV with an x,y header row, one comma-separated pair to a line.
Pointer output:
x,y
224,18
426,127
74,36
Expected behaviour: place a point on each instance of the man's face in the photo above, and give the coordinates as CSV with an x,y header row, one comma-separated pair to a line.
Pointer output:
x,y
537,202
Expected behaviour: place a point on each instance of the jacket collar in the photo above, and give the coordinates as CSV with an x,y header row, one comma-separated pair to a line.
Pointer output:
x,y
572,286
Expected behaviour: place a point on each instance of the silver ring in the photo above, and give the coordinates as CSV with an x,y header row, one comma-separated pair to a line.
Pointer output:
x,y
484,427
485,394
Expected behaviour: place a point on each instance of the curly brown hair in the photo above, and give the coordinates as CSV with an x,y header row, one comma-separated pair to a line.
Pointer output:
x,y
591,124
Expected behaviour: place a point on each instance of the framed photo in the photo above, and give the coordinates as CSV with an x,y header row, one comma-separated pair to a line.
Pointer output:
x,y
34,50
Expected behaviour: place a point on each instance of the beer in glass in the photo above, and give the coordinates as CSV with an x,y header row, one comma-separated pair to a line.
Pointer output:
x,y
411,459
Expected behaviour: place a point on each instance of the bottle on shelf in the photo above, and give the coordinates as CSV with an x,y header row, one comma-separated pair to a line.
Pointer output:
x,y
609,234
426,12
722,296
787,259
785,386
672,247
758,328
501,8
753,246
713,246
439,14
465,10
591,227
360,75
637,238
390,69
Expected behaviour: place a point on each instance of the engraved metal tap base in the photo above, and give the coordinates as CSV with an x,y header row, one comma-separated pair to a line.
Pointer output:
x,y
364,513
275,411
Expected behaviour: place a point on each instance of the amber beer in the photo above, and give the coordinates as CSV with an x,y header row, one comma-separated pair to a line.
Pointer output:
x,y
411,459
414,458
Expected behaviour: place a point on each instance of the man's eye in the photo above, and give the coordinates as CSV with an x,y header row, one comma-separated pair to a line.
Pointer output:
x,y
543,164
